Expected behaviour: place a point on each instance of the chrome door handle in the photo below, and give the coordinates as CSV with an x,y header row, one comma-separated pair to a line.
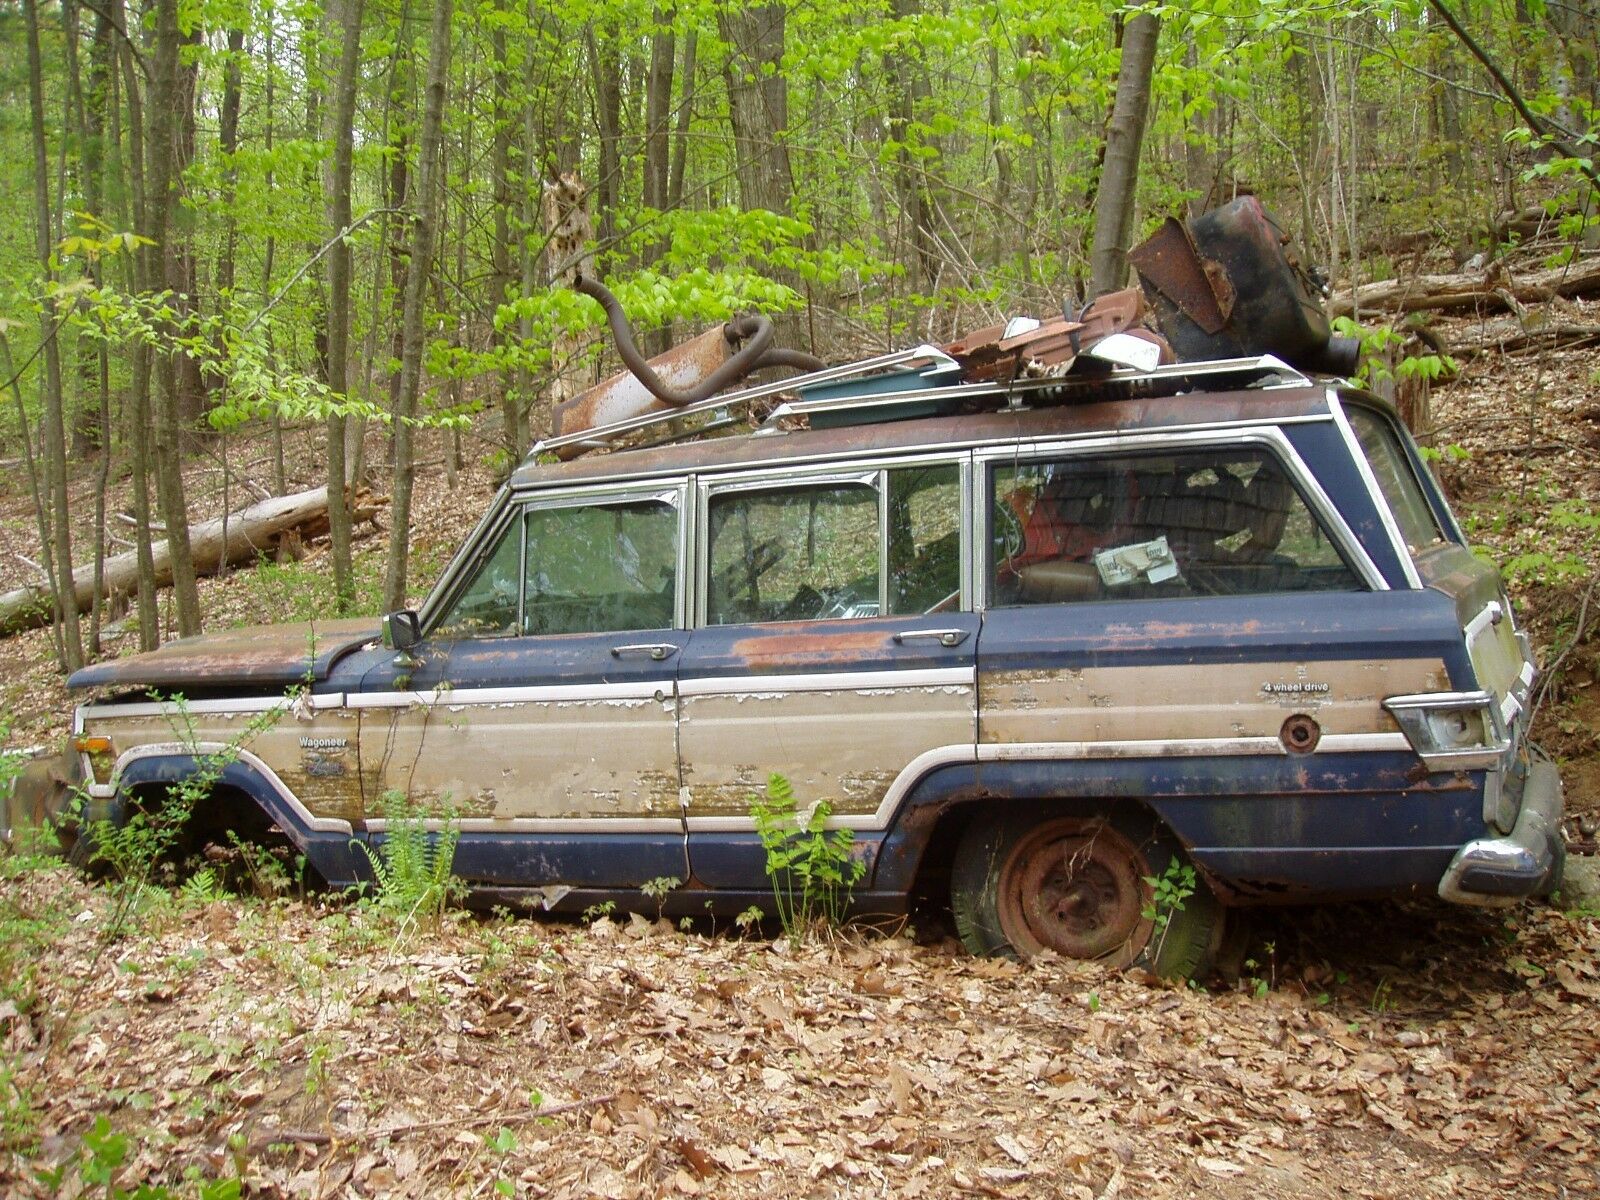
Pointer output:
x,y
656,650
945,637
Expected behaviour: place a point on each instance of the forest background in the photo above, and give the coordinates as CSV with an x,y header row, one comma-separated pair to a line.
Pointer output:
x,y
327,219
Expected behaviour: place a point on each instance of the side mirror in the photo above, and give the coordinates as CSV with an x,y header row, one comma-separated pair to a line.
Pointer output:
x,y
401,630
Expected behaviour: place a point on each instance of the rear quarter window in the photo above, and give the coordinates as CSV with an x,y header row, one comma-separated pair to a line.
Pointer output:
x,y
1216,522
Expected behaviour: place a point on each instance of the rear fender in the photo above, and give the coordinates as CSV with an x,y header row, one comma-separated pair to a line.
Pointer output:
x,y
1330,826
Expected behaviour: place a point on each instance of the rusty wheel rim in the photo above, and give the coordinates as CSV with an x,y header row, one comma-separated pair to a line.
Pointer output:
x,y
1076,887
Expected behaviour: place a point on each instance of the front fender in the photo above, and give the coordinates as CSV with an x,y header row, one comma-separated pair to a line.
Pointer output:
x,y
327,842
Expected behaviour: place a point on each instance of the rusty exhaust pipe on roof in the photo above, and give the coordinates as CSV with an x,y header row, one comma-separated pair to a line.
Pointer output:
x,y
692,371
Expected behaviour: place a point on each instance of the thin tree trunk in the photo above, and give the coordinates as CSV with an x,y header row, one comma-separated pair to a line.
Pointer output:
x,y
161,199
55,439
424,220
97,106
85,134
658,111
139,408
280,482
1114,201
510,403
317,278
758,104
680,133
399,187
182,276
339,297
758,112
607,67
911,190
529,259
656,166
41,509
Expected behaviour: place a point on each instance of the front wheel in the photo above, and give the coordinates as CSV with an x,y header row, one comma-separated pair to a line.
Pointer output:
x,y
1080,885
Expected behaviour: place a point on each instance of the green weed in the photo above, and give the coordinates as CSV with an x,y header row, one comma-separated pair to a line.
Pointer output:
x,y
811,868
657,889
100,1159
413,867
1169,890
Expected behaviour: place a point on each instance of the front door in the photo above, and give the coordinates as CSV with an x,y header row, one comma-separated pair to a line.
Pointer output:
x,y
541,706
833,647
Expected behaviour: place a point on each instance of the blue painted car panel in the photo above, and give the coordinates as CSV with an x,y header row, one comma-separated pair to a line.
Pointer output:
x,y
1221,629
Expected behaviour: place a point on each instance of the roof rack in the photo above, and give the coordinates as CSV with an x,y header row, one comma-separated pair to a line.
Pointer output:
x,y
889,391
1116,384
602,435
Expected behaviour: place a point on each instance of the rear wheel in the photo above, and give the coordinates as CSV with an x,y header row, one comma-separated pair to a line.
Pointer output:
x,y
1080,885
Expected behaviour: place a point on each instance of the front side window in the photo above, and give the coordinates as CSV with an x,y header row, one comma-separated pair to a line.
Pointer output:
x,y
605,567
600,568
1199,523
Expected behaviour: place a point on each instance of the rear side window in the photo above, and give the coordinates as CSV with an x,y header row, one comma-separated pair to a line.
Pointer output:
x,y
797,554
1202,523
1381,444
885,542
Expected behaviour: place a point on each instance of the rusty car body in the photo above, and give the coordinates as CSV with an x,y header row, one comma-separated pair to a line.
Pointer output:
x,y
1040,635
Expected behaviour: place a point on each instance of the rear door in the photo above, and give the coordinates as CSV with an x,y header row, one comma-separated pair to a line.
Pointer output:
x,y
834,645
541,707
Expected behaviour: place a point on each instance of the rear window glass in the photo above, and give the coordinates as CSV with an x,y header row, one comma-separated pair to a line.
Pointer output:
x,y
1396,480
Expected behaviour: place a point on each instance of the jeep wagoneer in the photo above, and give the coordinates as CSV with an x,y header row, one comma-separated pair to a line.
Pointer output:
x,y
1037,640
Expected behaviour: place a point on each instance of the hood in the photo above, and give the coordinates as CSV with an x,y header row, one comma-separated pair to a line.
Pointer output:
x,y
259,656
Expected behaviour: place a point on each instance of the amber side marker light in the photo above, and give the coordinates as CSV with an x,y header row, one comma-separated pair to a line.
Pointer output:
x,y
101,756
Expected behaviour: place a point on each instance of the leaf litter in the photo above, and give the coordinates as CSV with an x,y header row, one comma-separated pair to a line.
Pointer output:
x,y
1398,1050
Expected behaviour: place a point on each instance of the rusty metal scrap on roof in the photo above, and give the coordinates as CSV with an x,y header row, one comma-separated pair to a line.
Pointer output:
x,y
1226,284
1029,348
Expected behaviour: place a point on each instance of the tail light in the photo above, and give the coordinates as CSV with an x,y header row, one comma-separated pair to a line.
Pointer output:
x,y
1452,730
100,753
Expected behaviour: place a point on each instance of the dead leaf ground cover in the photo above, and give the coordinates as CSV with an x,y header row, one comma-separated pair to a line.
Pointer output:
x,y
1367,1051
1380,1051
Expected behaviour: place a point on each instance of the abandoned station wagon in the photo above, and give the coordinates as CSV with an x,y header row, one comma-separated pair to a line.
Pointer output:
x,y
1039,640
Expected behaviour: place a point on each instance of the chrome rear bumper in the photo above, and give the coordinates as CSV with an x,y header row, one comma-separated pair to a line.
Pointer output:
x,y
1526,862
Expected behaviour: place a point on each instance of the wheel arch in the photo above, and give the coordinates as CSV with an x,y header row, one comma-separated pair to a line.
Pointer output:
x,y
919,847
249,782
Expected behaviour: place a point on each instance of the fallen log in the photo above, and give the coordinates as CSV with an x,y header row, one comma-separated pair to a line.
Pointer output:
x,y
249,534
1510,338
1493,290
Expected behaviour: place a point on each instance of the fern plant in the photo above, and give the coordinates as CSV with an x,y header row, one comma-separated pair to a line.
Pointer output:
x,y
413,868
811,867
